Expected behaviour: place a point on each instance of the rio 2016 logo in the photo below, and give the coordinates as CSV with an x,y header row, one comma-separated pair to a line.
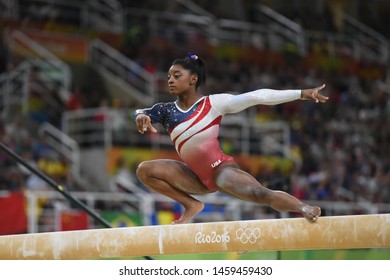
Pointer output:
x,y
247,235
213,237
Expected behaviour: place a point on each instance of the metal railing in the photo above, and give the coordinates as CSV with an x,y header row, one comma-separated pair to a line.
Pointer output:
x,y
18,41
14,90
244,133
123,71
9,9
89,127
103,15
283,27
372,45
275,33
98,14
63,145
29,76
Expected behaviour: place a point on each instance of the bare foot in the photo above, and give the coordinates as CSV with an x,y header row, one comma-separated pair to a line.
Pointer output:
x,y
311,213
189,212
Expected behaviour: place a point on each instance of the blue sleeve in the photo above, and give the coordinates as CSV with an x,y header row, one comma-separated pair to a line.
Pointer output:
x,y
156,113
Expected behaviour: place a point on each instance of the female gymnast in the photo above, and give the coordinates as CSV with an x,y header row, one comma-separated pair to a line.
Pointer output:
x,y
192,122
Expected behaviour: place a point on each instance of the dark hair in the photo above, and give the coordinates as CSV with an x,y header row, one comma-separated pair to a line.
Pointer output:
x,y
195,65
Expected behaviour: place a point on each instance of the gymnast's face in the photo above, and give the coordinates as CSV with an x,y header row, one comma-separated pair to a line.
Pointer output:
x,y
180,80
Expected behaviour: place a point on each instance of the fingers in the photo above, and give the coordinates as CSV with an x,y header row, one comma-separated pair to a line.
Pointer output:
x,y
320,87
152,129
318,97
143,127
144,123
322,98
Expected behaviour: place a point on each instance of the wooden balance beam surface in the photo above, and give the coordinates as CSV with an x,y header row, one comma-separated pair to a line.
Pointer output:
x,y
339,232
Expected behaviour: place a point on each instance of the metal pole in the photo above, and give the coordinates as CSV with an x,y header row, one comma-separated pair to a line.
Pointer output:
x,y
57,187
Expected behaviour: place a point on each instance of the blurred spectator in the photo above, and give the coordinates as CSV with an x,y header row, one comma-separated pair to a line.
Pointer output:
x,y
35,183
11,180
16,130
76,100
40,148
27,156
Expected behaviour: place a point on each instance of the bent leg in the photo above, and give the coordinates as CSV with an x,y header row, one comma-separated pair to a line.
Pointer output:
x,y
238,183
175,180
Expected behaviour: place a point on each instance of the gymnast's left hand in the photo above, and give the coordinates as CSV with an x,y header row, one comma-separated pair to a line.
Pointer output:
x,y
314,94
144,123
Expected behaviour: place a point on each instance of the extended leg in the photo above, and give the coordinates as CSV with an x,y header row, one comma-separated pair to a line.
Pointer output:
x,y
236,182
175,180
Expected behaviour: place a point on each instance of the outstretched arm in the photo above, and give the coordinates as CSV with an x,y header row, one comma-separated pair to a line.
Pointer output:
x,y
228,103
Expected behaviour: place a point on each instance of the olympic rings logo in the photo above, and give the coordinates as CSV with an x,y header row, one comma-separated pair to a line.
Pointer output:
x,y
248,235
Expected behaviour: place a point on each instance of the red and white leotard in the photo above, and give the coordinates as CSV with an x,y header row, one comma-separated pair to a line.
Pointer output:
x,y
194,132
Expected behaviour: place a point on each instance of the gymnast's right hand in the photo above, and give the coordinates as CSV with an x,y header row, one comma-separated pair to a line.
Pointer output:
x,y
144,123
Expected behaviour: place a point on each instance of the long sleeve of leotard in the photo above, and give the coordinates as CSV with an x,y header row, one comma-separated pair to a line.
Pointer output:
x,y
156,112
228,103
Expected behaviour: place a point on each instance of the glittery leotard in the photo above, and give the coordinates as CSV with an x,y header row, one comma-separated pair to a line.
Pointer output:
x,y
194,132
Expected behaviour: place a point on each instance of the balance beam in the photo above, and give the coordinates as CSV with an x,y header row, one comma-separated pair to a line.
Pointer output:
x,y
339,232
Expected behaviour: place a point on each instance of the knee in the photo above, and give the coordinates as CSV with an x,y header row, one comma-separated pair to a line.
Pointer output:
x,y
263,194
143,171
